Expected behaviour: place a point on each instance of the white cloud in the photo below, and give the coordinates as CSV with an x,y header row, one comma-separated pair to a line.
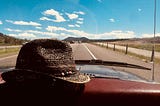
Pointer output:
x,y
13,30
52,32
47,19
24,35
30,33
118,34
1,23
71,25
38,27
54,28
77,25
72,16
79,22
112,20
79,12
58,16
73,32
150,35
139,9
24,23
81,19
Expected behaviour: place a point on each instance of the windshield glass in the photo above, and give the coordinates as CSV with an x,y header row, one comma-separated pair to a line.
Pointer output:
x,y
123,34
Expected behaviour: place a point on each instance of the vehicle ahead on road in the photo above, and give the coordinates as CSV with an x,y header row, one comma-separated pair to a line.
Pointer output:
x,y
98,20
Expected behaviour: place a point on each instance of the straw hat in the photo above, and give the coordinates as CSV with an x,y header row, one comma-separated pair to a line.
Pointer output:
x,y
49,57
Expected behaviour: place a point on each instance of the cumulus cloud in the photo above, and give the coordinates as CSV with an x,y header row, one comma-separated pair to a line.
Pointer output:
x,y
72,16
1,22
71,26
76,25
38,27
79,22
150,35
30,33
24,35
13,30
52,12
47,19
112,34
112,20
24,23
79,12
81,19
59,32
118,34
73,32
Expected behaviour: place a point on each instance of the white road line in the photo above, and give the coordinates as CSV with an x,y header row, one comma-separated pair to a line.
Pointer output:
x,y
7,57
90,52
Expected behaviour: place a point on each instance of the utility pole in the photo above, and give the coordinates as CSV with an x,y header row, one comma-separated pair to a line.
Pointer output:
x,y
153,54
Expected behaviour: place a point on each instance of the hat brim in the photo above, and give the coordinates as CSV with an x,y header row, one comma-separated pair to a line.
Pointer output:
x,y
76,78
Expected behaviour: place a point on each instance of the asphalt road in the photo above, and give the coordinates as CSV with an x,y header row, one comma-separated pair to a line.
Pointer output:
x,y
8,61
89,51
86,51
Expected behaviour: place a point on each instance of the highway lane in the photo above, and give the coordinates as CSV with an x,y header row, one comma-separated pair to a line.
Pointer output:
x,y
8,61
109,55
89,51
80,52
85,51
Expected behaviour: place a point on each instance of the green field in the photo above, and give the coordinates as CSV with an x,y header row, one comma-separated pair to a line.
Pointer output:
x,y
9,51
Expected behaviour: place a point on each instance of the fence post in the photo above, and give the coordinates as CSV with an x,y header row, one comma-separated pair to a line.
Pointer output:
x,y
114,48
152,55
126,49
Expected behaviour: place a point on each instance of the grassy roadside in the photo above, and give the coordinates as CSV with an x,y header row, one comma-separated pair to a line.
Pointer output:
x,y
8,51
144,46
143,58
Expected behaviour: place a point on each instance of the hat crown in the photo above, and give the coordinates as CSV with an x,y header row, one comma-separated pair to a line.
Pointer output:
x,y
46,55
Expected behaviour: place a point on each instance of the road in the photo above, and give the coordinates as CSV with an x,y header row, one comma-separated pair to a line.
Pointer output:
x,y
8,61
89,51
85,51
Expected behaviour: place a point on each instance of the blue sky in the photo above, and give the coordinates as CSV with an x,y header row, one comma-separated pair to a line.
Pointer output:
x,y
101,19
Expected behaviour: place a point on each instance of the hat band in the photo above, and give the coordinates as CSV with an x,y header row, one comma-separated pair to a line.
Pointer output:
x,y
63,70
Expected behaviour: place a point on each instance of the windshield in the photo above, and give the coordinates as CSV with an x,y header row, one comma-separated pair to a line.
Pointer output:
x,y
123,34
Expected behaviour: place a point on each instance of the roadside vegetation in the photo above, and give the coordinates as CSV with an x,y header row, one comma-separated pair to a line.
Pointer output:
x,y
144,46
9,51
7,41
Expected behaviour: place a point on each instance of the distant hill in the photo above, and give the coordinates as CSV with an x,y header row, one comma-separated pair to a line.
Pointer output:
x,y
82,39
140,40
8,40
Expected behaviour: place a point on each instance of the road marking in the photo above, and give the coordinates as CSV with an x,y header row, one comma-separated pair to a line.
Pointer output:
x,y
7,57
90,52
